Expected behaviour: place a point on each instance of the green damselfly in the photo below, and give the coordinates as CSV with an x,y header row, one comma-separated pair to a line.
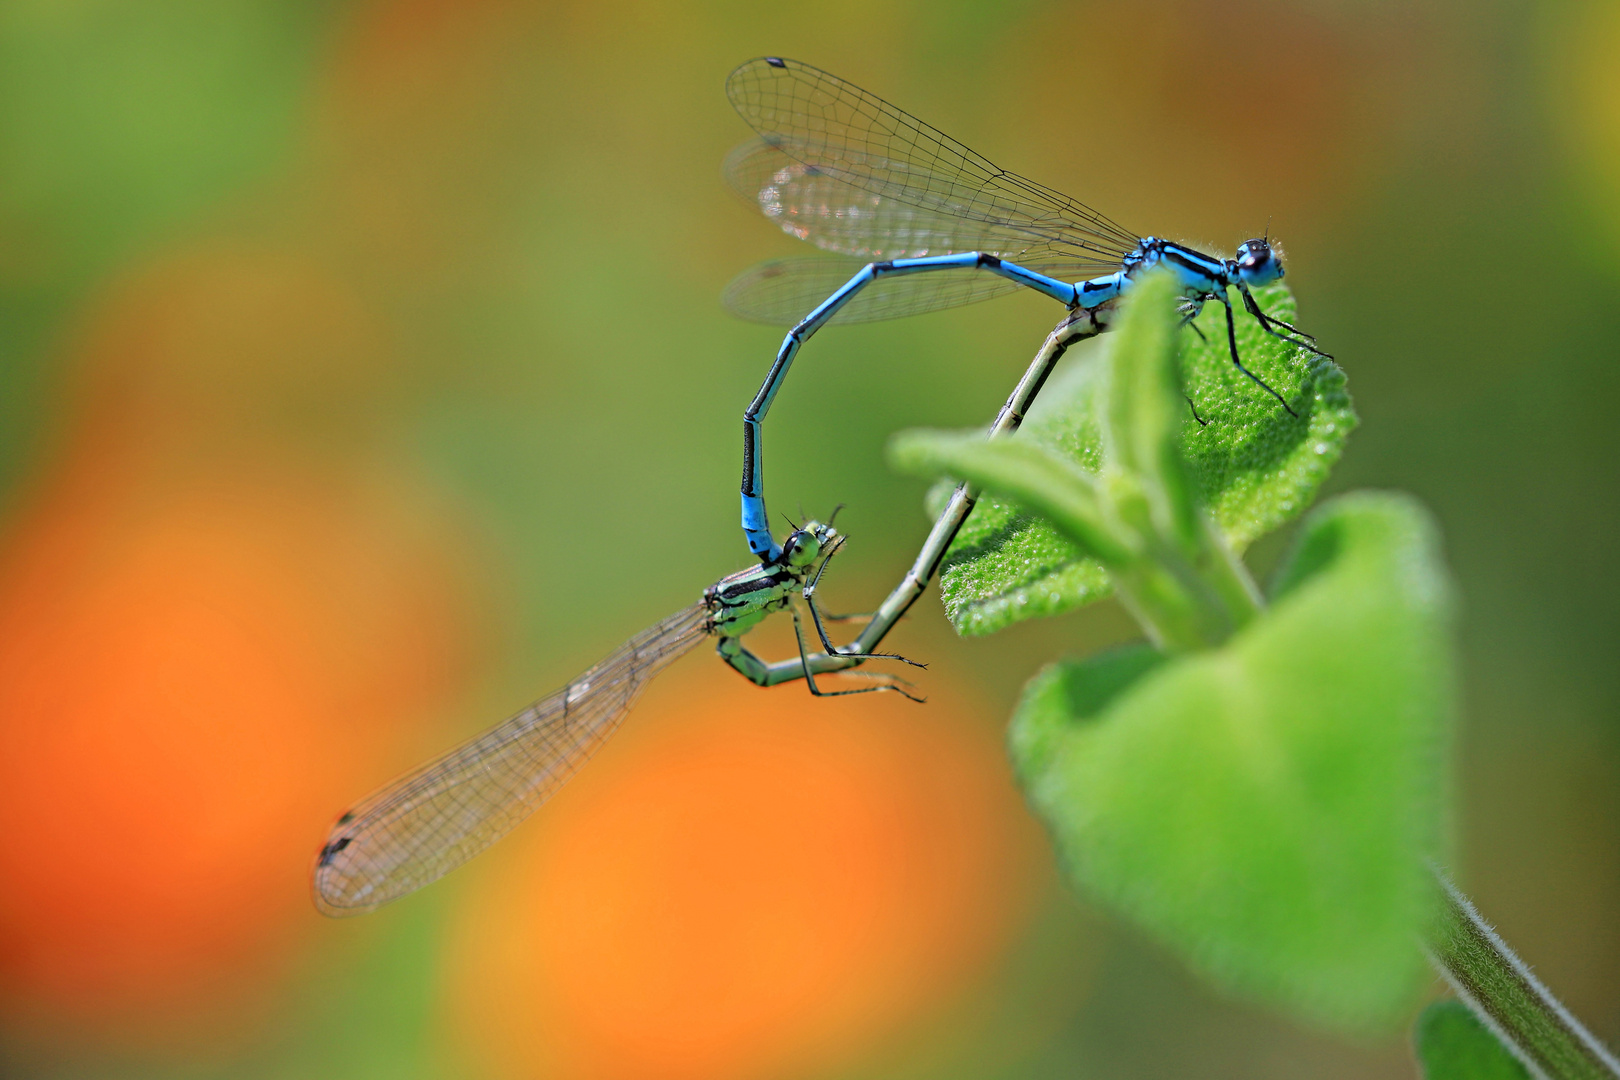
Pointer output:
x,y
430,821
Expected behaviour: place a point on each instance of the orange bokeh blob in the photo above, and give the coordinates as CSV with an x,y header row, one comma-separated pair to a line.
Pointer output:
x,y
1322,91
755,880
208,646
186,696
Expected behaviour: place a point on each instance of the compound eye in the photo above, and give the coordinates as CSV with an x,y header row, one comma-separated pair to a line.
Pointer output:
x,y
801,548
1257,263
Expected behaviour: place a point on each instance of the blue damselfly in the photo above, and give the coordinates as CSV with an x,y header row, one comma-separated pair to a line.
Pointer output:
x,y
857,177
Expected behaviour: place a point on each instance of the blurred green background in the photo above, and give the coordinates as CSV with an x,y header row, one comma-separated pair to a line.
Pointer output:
x,y
366,378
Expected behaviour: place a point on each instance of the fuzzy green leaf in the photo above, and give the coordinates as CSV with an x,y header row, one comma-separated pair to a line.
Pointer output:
x,y
1453,1045
1255,466
1267,808
1044,481
1140,520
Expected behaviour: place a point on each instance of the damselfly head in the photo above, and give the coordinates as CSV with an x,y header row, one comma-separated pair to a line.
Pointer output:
x,y
803,546
1257,264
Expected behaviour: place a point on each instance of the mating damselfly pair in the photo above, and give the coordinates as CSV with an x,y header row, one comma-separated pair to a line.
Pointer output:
x,y
917,222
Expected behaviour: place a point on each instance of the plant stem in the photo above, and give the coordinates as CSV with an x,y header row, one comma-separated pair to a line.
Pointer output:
x,y
1511,1001
1187,602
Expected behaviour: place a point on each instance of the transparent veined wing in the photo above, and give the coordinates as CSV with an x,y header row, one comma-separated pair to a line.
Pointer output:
x,y
864,142
430,821
783,291
814,205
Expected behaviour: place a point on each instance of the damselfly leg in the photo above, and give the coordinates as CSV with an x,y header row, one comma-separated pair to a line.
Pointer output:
x,y
1189,310
809,596
1269,324
883,681
1231,339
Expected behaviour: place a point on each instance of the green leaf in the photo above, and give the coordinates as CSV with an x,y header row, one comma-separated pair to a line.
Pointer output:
x,y
1045,481
1267,808
1166,562
1453,1045
1255,466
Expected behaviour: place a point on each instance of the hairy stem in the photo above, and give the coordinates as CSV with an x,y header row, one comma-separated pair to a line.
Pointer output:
x,y
1511,1001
